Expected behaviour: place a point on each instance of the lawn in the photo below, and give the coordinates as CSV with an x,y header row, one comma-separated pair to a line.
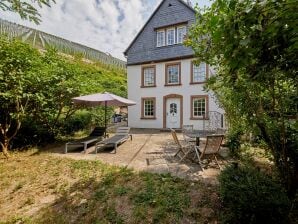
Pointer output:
x,y
41,188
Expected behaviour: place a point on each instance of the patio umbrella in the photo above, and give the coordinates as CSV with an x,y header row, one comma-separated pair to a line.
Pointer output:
x,y
102,99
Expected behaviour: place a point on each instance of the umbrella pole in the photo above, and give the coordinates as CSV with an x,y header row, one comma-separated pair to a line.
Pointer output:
x,y
105,118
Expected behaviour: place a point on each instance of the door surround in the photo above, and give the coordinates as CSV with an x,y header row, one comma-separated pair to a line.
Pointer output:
x,y
165,98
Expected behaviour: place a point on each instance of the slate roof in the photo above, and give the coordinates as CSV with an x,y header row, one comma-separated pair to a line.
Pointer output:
x,y
143,48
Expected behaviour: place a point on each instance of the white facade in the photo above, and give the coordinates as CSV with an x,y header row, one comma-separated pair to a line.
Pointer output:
x,y
164,95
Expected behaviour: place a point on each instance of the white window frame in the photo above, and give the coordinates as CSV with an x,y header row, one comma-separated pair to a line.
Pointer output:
x,y
151,73
145,108
174,36
168,74
180,39
162,32
203,115
200,74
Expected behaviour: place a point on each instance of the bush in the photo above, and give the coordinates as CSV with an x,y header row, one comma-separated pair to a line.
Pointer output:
x,y
250,196
32,133
79,121
234,140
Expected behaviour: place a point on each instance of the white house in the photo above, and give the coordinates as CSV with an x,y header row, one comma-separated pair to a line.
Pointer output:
x,y
162,78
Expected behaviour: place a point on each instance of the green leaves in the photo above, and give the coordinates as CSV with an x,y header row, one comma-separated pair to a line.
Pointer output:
x,y
254,48
43,84
24,9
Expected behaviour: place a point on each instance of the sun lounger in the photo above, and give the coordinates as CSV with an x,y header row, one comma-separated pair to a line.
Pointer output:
x,y
121,135
95,136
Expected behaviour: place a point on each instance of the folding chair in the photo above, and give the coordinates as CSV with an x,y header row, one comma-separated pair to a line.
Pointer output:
x,y
183,149
186,130
211,148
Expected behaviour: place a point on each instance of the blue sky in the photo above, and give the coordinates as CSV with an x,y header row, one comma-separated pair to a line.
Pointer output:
x,y
106,25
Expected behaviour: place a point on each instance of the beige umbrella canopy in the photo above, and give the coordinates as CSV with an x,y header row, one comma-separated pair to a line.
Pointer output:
x,y
102,99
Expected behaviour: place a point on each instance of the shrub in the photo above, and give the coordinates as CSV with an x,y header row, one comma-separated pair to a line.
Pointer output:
x,y
32,133
234,140
79,121
250,196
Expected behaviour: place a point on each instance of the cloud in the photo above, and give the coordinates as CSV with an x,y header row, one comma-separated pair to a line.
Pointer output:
x,y
106,25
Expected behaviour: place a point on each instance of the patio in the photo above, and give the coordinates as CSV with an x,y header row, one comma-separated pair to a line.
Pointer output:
x,y
152,151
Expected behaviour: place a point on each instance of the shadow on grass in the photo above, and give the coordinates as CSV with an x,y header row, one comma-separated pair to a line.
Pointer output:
x,y
122,196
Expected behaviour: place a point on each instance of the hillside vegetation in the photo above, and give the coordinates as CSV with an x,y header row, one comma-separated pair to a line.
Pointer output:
x,y
42,40
36,89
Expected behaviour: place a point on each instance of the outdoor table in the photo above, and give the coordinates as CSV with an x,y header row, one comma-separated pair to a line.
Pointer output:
x,y
196,134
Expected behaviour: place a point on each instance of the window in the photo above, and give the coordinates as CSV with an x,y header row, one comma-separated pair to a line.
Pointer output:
x,y
198,73
173,108
148,108
173,74
171,36
199,107
181,32
148,76
160,38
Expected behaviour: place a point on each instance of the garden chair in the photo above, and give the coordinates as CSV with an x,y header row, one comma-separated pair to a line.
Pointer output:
x,y
221,131
183,149
121,135
210,149
187,129
96,135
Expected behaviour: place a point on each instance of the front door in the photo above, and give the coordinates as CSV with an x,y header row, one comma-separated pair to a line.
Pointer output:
x,y
173,113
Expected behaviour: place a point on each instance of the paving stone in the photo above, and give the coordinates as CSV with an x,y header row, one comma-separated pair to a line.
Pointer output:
x,y
157,161
160,169
153,151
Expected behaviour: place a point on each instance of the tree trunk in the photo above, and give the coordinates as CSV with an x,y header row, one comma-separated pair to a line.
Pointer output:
x,y
5,147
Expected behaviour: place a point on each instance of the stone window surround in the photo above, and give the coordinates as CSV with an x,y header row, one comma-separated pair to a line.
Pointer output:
x,y
192,98
191,73
143,99
166,73
143,76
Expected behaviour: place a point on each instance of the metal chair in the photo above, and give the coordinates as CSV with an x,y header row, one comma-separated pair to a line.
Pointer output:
x,y
121,135
96,135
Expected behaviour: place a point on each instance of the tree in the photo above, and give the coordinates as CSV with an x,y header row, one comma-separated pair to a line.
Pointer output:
x,y
253,47
26,10
32,85
56,86
18,71
36,89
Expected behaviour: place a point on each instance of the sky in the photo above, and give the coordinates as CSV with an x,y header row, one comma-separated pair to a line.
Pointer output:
x,y
105,25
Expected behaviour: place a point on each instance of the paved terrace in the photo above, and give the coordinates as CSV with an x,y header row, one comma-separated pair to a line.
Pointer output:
x,y
152,151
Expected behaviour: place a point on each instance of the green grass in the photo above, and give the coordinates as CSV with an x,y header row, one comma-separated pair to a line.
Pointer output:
x,y
93,192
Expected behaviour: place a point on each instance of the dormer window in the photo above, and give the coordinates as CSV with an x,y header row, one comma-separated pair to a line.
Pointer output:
x,y
170,36
181,33
160,38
